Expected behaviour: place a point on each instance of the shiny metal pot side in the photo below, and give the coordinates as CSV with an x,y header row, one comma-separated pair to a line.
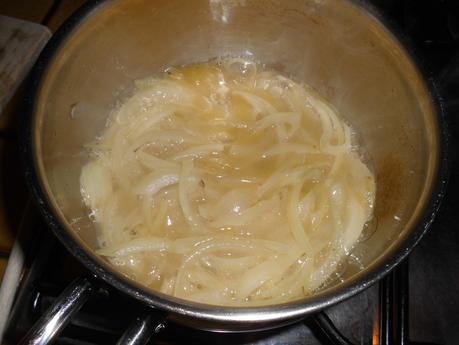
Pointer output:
x,y
339,47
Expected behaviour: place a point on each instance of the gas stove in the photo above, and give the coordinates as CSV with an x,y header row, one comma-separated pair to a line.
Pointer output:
x,y
415,304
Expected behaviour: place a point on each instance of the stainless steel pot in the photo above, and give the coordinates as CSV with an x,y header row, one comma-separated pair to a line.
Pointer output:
x,y
339,47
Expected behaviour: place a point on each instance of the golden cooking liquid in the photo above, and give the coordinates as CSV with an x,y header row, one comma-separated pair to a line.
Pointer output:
x,y
229,184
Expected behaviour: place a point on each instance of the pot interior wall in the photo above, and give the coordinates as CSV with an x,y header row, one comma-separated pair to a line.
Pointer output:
x,y
333,45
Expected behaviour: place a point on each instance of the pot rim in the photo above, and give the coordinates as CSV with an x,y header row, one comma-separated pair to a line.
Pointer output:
x,y
235,315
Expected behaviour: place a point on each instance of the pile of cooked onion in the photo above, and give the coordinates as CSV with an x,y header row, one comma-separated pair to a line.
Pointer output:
x,y
227,184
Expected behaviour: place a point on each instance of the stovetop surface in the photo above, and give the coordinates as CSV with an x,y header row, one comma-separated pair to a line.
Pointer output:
x,y
433,27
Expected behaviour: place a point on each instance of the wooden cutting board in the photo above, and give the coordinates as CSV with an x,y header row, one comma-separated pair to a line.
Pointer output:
x,y
20,44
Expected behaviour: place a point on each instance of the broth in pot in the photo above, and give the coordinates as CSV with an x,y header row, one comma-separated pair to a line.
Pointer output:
x,y
227,183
